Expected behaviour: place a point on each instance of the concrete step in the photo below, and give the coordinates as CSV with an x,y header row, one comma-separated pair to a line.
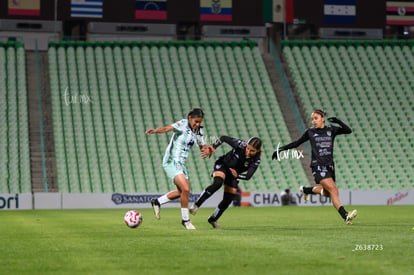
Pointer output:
x,y
48,156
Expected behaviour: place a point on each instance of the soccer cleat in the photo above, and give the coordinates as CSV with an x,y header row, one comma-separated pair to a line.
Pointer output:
x,y
188,225
214,224
305,196
351,215
156,207
193,209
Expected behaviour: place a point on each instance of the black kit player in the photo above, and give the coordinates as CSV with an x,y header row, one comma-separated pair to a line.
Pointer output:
x,y
240,163
321,138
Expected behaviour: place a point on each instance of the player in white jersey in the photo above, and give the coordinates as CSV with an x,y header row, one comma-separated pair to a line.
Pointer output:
x,y
186,133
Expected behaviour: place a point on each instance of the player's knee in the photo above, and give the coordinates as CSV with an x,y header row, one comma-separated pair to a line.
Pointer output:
x,y
185,189
217,183
333,189
230,190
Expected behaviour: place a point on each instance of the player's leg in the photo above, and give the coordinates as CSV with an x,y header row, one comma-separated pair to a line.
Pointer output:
x,y
318,172
171,169
329,185
228,196
218,180
183,187
156,203
306,191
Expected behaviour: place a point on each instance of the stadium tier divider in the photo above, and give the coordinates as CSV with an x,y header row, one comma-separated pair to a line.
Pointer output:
x,y
368,84
15,173
101,144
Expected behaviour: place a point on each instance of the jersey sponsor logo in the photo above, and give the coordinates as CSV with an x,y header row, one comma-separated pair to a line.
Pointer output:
x,y
191,143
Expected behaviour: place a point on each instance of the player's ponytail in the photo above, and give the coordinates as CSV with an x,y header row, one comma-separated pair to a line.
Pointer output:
x,y
196,112
256,143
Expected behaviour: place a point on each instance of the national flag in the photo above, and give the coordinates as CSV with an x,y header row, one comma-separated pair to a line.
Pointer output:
x,y
151,10
24,7
282,11
86,8
339,12
400,13
289,11
216,10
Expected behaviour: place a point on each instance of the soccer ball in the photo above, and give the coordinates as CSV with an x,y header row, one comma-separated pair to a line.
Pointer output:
x,y
133,218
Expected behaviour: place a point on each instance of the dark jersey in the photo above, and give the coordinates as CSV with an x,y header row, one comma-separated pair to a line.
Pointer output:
x,y
322,142
236,158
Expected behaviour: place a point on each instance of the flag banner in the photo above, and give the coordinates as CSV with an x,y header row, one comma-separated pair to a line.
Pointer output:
x,y
400,13
289,11
86,8
24,7
282,11
151,10
216,10
339,12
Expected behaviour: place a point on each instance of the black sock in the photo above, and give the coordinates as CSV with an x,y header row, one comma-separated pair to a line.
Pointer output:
x,y
223,205
342,212
308,190
210,190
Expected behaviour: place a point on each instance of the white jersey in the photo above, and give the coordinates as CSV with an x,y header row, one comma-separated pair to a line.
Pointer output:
x,y
182,140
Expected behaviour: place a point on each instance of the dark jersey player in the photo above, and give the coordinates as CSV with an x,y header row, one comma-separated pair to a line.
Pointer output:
x,y
240,163
321,138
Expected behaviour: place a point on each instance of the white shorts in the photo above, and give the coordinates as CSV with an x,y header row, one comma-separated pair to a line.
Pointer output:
x,y
173,169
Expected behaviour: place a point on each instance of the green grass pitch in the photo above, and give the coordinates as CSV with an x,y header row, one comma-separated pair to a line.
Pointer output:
x,y
268,240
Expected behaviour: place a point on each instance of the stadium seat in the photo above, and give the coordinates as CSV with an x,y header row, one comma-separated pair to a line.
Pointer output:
x,y
14,134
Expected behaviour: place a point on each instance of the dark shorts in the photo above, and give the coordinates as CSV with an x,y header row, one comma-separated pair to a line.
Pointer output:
x,y
321,172
229,180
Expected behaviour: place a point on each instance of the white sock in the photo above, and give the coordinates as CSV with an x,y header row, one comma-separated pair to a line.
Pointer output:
x,y
184,214
163,199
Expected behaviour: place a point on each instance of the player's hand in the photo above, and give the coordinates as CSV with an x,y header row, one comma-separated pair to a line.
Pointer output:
x,y
150,131
234,172
333,120
207,151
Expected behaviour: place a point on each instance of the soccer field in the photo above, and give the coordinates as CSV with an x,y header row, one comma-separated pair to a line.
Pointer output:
x,y
269,240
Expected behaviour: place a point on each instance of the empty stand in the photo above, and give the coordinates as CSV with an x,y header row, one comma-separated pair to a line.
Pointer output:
x,y
14,130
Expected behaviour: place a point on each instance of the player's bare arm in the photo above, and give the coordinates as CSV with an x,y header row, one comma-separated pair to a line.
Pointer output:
x,y
159,130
